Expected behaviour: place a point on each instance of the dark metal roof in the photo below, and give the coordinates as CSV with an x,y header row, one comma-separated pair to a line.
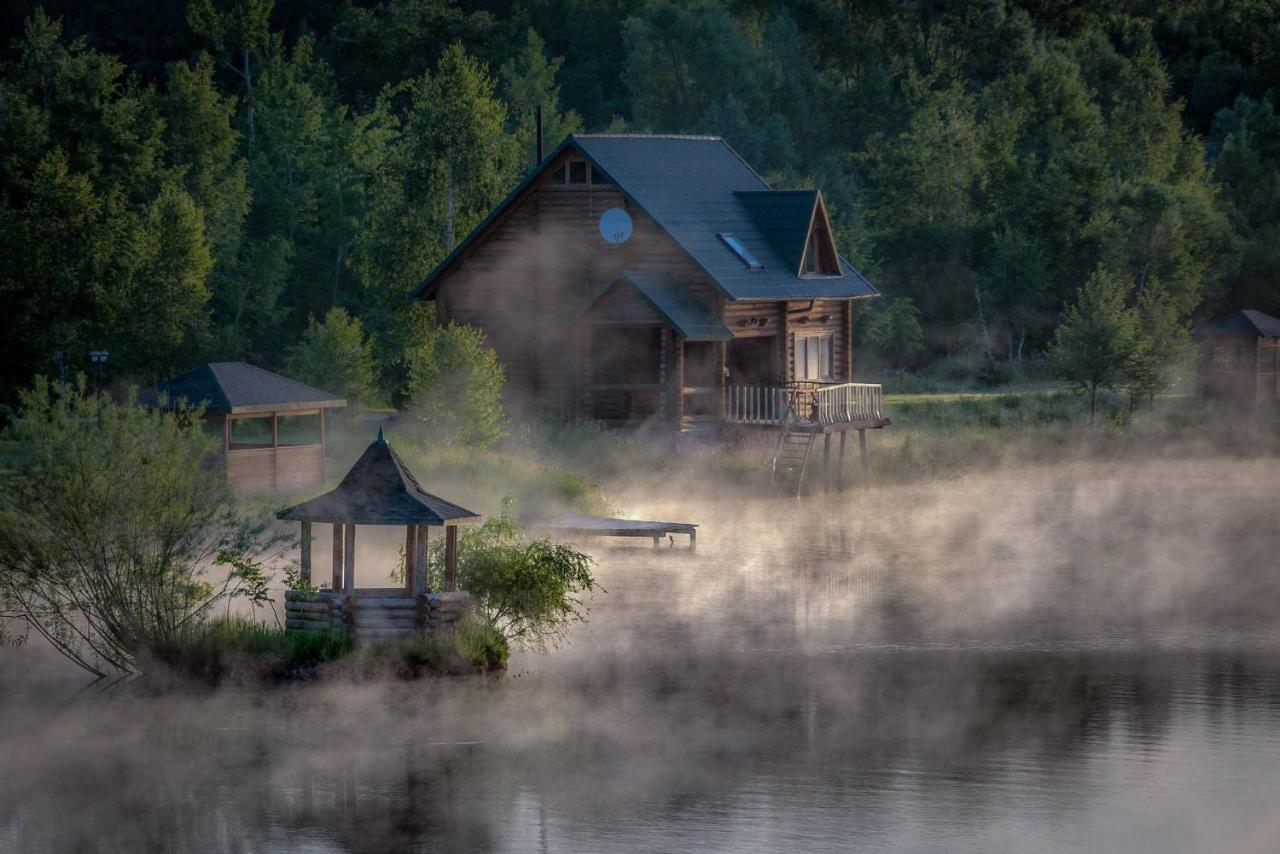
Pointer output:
x,y
671,299
236,387
379,490
1244,322
692,187
783,217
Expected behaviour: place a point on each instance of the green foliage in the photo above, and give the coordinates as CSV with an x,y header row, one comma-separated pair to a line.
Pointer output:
x,y
1098,337
528,591
892,331
480,642
336,356
982,159
108,523
234,646
453,385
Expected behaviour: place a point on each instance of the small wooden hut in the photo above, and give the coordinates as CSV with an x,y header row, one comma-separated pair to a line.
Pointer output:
x,y
378,490
271,428
1239,357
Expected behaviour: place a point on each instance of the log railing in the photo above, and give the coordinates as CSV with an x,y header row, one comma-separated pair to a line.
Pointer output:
x,y
837,403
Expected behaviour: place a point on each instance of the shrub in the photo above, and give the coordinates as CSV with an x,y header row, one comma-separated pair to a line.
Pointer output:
x,y
478,641
528,590
108,523
453,385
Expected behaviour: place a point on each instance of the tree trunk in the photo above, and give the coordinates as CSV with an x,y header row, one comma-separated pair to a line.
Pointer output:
x,y
248,101
1093,403
982,319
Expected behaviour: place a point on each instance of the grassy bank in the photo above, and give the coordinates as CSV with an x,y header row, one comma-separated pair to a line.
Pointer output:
x,y
236,650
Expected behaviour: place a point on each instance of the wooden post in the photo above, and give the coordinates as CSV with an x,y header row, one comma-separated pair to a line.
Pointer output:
x,y
679,382
226,434
450,557
844,434
420,562
826,462
657,543
724,380
693,540
410,559
338,529
349,560
275,453
862,449
304,544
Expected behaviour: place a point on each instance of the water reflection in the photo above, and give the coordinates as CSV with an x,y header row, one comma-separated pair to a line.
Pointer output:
x,y
842,682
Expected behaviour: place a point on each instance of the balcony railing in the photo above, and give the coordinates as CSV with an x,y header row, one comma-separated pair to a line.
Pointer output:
x,y
815,403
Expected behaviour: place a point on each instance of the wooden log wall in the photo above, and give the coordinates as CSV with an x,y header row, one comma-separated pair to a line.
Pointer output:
x,y
521,282
376,617
824,316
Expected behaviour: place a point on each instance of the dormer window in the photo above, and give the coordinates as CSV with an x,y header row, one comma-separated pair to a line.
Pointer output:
x,y
820,257
744,254
578,173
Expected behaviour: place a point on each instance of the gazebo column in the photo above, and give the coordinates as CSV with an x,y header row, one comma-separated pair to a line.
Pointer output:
x,y
450,557
338,528
410,560
420,562
304,545
349,560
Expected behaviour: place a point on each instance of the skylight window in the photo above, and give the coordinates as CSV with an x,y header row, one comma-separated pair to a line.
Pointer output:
x,y
744,255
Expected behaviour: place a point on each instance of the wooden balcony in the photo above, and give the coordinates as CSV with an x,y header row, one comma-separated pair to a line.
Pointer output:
x,y
816,406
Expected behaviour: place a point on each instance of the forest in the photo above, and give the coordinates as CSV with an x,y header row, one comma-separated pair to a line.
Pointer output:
x,y
268,181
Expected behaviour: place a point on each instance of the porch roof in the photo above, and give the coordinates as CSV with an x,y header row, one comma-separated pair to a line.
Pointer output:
x,y
236,387
683,312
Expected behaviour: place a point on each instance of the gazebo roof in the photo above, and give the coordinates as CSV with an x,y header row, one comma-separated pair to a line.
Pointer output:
x,y
236,387
1244,322
379,490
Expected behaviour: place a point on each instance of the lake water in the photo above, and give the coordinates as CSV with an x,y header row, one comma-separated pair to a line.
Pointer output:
x,y
1081,658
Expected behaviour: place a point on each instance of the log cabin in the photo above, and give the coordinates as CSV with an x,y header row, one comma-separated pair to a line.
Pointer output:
x,y
659,280
1239,358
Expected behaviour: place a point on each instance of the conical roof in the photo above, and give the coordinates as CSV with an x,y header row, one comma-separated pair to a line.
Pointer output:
x,y
379,490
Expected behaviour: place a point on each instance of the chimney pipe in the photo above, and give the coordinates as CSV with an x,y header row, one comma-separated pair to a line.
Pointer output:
x,y
537,123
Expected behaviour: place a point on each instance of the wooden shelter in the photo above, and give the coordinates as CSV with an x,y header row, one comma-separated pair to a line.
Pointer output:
x,y
380,490
659,280
1239,357
270,428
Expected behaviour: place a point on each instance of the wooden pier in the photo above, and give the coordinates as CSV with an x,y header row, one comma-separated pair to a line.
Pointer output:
x,y
601,526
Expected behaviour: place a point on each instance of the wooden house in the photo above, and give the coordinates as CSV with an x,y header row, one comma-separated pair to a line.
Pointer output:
x,y
1239,357
270,428
660,280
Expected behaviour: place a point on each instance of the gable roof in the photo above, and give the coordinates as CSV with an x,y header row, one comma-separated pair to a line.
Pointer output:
x,y
237,387
692,187
672,300
379,490
1244,322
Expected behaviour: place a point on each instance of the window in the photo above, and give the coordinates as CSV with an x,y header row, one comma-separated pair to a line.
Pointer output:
x,y
578,171
745,256
814,357
298,429
251,432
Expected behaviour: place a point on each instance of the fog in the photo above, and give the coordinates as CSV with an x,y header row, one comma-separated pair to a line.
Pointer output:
x,y
1069,657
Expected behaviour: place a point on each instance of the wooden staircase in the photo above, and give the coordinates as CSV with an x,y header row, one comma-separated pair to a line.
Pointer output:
x,y
791,456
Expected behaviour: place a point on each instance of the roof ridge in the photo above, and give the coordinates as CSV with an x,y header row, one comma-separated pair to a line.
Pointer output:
x,y
688,136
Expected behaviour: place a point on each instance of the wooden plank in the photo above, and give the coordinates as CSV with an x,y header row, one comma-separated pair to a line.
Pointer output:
x,y
410,555
337,555
420,562
451,557
304,545
349,559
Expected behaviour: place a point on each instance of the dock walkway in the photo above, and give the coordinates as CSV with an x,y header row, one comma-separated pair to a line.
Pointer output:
x,y
600,526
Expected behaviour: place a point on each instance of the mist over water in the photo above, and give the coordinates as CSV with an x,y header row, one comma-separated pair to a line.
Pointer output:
x,y
1078,657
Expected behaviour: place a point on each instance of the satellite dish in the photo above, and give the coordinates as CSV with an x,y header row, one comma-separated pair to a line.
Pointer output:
x,y
615,226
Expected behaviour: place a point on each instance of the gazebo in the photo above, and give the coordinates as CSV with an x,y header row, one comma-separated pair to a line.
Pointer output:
x,y
1239,357
270,429
378,490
